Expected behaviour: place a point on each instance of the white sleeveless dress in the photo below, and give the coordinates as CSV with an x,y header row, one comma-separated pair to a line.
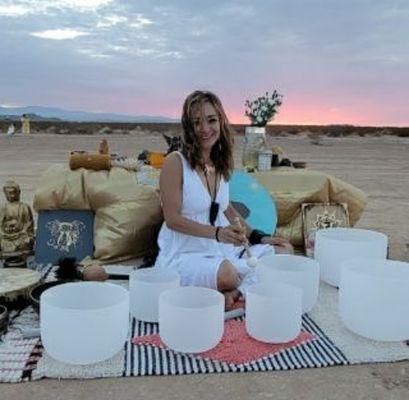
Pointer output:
x,y
198,259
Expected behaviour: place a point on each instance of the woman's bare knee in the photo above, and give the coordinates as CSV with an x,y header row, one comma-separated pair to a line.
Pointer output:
x,y
227,277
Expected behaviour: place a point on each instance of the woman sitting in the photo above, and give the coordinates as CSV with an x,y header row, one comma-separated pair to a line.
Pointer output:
x,y
200,238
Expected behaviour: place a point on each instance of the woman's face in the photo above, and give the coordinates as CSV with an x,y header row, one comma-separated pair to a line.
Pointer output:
x,y
207,125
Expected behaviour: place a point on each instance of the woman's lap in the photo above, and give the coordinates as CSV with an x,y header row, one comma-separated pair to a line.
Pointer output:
x,y
198,269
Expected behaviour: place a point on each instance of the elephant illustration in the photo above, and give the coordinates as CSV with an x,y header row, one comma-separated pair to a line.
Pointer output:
x,y
64,235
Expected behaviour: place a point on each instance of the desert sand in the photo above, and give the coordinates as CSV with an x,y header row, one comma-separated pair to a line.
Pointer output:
x,y
377,165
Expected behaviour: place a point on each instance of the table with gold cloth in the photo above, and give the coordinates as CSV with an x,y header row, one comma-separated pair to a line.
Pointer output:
x,y
292,187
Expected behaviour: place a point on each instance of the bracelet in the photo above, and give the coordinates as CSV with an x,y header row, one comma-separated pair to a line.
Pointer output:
x,y
216,235
256,235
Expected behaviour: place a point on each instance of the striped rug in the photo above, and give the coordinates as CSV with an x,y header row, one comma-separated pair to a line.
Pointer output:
x,y
151,360
18,356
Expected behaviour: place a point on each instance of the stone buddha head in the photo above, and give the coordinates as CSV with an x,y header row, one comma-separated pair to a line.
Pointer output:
x,y
12,191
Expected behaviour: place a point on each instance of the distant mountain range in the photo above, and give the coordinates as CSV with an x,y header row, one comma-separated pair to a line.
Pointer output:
x,y
51,113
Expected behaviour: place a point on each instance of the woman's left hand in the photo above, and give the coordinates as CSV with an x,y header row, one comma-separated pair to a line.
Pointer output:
x,y
281,245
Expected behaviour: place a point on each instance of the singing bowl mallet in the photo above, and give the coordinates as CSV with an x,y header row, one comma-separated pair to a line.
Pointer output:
x,y
251,260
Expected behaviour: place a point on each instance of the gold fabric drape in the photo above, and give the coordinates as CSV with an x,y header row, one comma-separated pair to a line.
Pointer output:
x,y
127,214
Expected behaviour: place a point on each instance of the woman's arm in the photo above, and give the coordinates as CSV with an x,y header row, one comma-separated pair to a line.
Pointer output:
x,y
171,191
232,215
280,244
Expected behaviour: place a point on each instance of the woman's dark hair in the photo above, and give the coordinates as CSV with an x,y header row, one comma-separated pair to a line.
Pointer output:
x,y
222,151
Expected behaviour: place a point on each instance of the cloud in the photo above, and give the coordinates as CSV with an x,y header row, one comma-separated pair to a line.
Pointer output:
x,y
13,10
85,5
10,105
339,52
140,21
93,54
238,9
111,20
22,8
118,48
59,34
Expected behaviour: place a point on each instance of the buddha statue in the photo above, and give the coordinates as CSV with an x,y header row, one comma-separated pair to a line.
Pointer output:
x,y
16,223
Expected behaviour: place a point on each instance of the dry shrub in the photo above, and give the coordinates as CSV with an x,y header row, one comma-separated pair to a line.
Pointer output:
x,y
106,130
315,138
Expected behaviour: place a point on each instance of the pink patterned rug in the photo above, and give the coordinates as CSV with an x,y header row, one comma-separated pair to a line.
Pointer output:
x,y
236,346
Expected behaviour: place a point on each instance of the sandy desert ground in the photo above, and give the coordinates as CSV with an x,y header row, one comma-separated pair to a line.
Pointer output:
x,y
377,165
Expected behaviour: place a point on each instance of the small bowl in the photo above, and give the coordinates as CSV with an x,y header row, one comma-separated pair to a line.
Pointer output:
x,y
15,262
4,319
35,293
299,164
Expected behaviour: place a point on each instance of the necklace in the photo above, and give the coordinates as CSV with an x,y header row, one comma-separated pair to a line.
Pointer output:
x,y
214,206
208,169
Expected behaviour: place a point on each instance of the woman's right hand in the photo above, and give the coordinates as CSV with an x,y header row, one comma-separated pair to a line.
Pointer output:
x,y
232,234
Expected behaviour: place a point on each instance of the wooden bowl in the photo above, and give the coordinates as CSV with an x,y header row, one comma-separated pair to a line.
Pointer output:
x,y
16,283
36,292
299,164
15,262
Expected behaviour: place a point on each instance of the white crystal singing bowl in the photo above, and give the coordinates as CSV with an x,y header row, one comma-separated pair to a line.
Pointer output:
x,y
84,322
299,271
145,286
374,298
335,245
191,319
273,312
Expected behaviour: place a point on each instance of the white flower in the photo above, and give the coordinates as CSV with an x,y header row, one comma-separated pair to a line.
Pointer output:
x,y
263,109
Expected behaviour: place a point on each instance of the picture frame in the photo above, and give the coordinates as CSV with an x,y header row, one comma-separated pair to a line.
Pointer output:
x,y
317,216
64,233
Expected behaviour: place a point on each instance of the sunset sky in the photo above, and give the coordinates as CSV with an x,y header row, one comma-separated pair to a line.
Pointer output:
x,y
335,61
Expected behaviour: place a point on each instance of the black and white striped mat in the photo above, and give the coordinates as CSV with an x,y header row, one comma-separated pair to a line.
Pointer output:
x,y
150,360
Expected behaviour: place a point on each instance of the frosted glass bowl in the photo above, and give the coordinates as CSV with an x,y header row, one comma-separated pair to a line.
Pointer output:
x,y
191,319
374,298
84,322
335,245
273,312
302,272
145,286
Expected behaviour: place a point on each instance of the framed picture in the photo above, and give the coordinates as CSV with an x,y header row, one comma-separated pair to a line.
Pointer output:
x,y
320,216
64,233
